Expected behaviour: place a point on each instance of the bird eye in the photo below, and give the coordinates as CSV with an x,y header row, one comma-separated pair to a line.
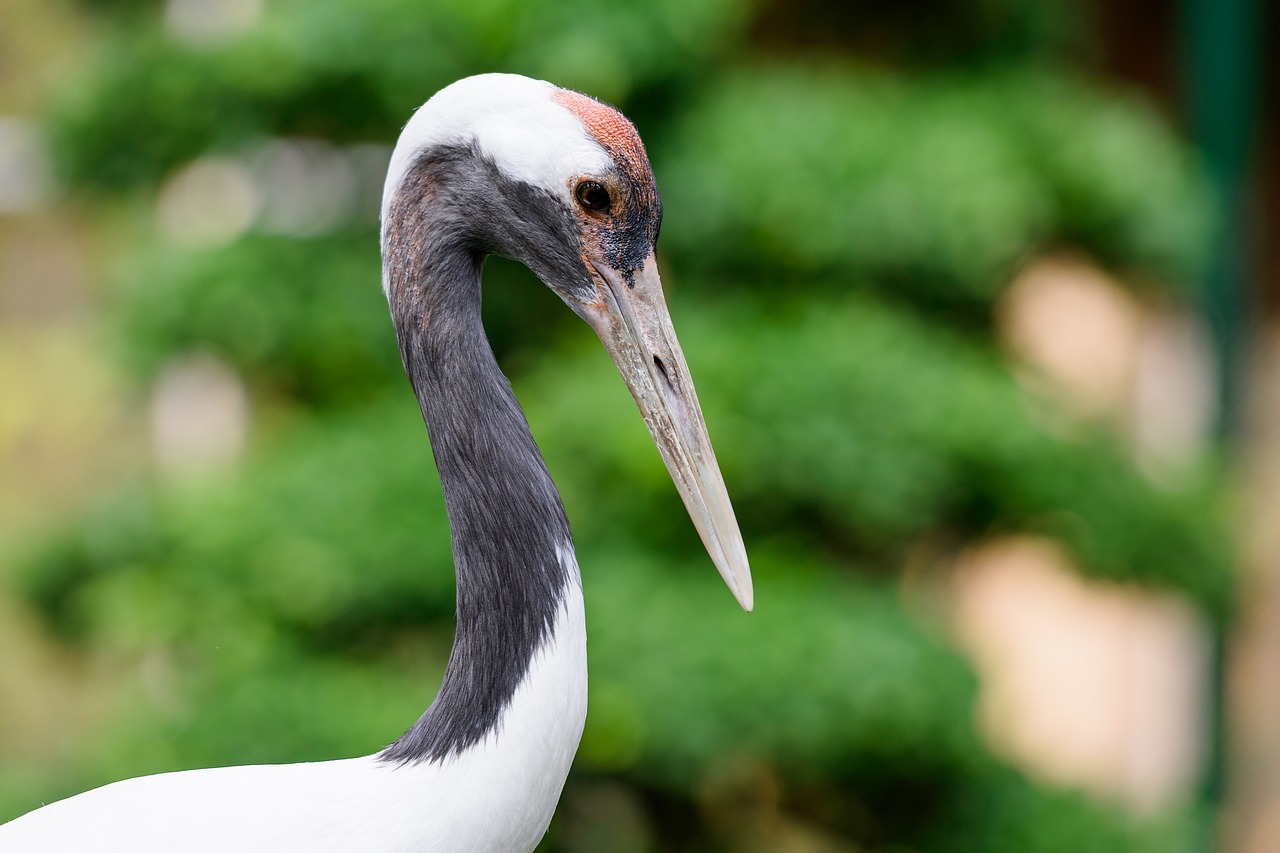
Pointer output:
x,y
592,195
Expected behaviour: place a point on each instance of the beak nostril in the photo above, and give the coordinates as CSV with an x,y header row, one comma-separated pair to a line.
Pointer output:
x,y
662,368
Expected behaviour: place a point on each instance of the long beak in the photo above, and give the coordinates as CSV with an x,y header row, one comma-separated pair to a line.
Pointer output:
x,y
632,321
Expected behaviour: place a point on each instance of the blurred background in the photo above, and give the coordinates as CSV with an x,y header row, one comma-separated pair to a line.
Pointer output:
x,y
981,297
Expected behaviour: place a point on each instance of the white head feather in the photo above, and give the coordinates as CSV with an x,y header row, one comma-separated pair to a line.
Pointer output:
x,y
513,120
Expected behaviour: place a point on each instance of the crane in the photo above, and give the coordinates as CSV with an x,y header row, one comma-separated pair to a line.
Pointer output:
x,y
492,164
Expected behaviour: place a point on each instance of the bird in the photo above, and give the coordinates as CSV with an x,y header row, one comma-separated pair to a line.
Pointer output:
x,y
494,164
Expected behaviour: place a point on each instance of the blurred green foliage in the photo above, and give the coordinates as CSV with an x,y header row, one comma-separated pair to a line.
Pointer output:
x,y
958,178
834,241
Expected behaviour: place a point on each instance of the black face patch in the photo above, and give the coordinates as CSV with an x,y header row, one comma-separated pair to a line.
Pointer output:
x,y
627,233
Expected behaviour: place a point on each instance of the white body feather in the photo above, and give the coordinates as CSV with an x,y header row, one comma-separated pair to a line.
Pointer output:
x,y
496,797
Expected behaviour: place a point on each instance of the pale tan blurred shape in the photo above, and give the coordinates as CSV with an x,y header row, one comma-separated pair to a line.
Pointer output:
x,y
199,415
1084,684
1066,319
297,188
309,186
1097,351
1089,684
208,203
208,22
26,181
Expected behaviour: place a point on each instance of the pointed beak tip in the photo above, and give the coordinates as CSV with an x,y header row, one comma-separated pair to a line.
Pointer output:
x,y
739,583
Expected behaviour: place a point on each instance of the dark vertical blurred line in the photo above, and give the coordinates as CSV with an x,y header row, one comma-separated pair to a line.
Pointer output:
x,y
1220,47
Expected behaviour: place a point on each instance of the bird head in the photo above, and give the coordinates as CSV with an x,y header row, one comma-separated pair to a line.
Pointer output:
x,y
503,164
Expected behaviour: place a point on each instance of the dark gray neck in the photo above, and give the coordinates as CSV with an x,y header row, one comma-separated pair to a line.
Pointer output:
x,y
509,527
